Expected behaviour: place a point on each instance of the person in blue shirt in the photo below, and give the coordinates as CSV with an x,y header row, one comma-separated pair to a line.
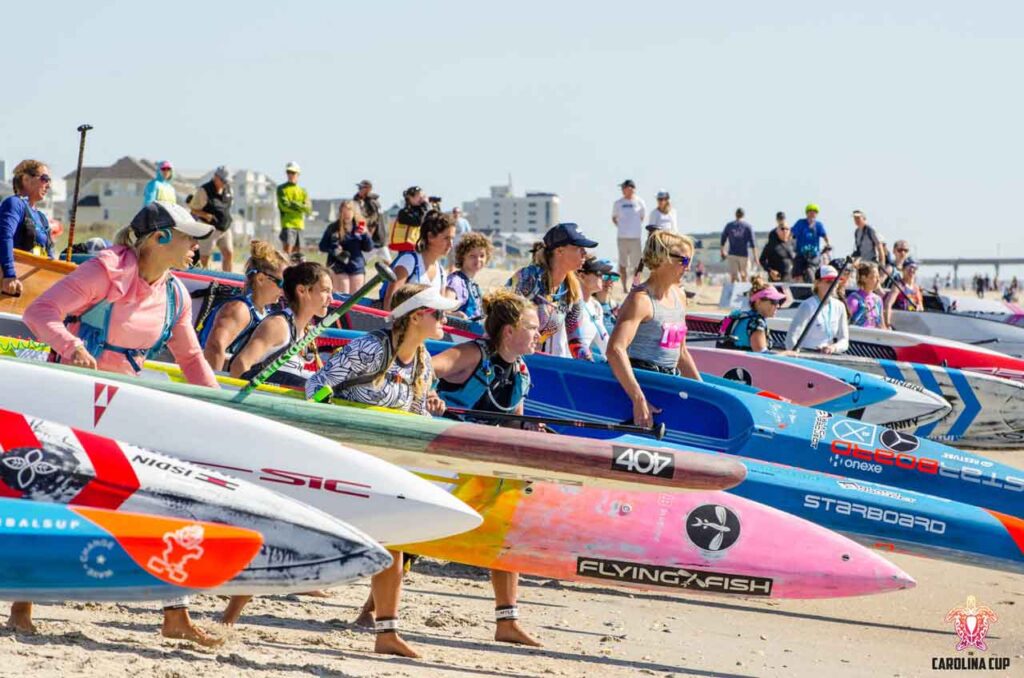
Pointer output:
x,y
346,241
22,226
808,234
160,187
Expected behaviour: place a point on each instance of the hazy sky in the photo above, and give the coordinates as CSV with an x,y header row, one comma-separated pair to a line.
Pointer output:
x,y
910,111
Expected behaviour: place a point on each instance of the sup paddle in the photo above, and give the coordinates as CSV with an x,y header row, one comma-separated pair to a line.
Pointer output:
x,y
656,430
82,129
384,272
821,303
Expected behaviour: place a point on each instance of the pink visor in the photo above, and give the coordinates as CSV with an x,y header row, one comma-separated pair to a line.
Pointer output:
x,y
767,293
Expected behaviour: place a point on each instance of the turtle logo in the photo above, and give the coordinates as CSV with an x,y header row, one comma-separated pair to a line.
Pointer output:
x,y
971,623
739,374
712,527
899,442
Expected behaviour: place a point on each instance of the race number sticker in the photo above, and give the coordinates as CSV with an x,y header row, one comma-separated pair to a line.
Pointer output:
x,y
643,462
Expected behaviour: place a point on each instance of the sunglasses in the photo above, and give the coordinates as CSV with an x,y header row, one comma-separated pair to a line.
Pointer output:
x,y
611,277
437,314
278,281
901,250
45,178
784,228
685,261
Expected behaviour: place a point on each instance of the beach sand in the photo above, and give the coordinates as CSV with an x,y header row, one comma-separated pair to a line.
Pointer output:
x,y
447,614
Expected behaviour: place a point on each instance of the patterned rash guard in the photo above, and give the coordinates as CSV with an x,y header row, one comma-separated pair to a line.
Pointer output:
x,y
865,308
561,325
366,355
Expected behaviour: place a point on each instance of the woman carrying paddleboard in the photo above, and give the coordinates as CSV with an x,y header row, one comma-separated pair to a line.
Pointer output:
x,y
307,290
232,321
554,286
650,333
748,330
830,331
490,375
115,309
423,265
391,368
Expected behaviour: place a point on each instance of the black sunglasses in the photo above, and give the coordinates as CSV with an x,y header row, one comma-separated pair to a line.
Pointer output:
x,y
278,281
684,260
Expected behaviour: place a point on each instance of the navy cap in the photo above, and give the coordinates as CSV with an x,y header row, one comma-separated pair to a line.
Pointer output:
x,y
567,234
628,182
599,266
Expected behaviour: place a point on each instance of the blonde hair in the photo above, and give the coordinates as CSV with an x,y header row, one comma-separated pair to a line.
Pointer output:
x,y
398,330
356,213
503,307
572,281
29,167
263,258
127,238
659,247
472,241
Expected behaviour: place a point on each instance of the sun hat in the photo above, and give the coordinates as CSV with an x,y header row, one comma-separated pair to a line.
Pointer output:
x,y
428,298
767,293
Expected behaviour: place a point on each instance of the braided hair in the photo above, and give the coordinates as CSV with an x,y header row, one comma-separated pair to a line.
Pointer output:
x,y
398,331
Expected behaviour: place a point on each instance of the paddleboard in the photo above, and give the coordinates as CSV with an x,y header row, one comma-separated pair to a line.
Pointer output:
x,y
36,274
378,498
50,552
676,543
700,415
303,548
891,519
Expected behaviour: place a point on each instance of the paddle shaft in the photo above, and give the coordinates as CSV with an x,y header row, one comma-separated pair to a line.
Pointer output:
x,y
657,430
82,129
384,272
822,302
889,277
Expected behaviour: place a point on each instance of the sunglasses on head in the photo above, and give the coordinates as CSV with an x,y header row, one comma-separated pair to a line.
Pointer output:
x,y
684,260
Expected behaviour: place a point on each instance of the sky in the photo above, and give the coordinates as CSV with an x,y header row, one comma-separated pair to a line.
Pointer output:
x,y
910,111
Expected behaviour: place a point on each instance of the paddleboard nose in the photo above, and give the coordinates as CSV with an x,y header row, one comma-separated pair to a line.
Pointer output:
x,y
908,408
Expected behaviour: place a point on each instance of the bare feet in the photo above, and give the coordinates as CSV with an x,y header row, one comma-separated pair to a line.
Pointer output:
x,y
21,618
508,631
390,642
179,626
234,609
316,594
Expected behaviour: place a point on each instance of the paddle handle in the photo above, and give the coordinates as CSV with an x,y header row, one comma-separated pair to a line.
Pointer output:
x,y
384,272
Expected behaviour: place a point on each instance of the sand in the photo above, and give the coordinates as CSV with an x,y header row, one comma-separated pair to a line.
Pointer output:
x,y
447,614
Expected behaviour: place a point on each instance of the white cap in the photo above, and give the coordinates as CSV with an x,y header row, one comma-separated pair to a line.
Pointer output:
x,y
292,167
428,298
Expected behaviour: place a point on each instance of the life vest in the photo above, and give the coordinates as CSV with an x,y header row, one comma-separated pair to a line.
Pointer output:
x,y
405,230
478,391
206,322
26,235
94,327
415,273
284,376
473,307
733,330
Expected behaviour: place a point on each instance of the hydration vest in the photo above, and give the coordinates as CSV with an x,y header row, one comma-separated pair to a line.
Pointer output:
x,y
94,327
478,389
733,330
473,308
26,235
206,321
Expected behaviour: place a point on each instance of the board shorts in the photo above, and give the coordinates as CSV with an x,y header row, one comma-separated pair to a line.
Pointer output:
x,y
291,237
737,265
629,253
223,240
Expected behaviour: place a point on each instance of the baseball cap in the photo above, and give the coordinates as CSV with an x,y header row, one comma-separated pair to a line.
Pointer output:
x,y
599,266
567,233
365,183
411,191
165,164
222,174
663,195
428,298
909,262
812,207
158,215
826,272
780,215
767,293
293,167
628,182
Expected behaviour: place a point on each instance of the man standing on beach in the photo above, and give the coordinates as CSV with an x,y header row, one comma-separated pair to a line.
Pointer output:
x,y
628,215
741,248
808,233
369,205
866,242
212,203
777,256
294,204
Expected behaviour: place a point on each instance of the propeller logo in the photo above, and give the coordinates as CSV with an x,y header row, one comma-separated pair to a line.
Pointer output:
x,y
712,527
27,463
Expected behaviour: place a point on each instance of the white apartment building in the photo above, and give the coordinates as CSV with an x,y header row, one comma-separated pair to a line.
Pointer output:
x,y
535,212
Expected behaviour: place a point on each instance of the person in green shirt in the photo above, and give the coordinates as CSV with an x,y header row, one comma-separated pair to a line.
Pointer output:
x,y
293,203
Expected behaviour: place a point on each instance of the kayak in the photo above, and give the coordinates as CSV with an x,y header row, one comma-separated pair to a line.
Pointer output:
x,y
890,345
987,412
36,274
444,444
675,543
303,548
887,518
699,415
387,503
50,552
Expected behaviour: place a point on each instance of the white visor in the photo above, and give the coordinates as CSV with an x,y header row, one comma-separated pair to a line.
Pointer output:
x,y
428,298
